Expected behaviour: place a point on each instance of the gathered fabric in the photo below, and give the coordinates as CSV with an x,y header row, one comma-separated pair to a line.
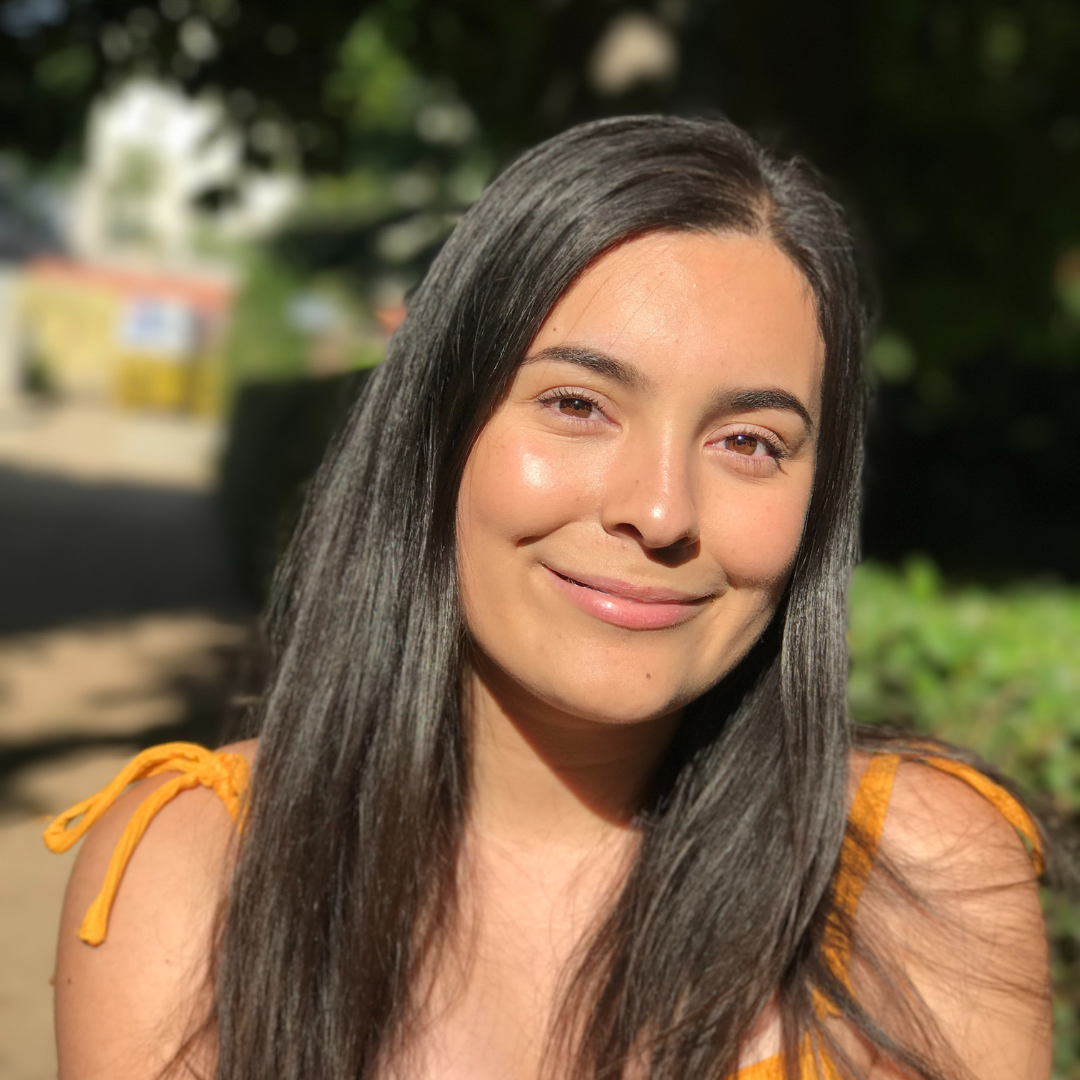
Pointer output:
x,y
228,776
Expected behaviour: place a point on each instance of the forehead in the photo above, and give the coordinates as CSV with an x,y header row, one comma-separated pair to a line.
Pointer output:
x,y
693,305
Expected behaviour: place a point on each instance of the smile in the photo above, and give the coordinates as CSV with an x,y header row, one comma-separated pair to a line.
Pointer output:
x,y
620,603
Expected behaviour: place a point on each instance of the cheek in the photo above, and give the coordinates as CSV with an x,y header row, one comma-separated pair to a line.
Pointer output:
x,y
517,486
754,533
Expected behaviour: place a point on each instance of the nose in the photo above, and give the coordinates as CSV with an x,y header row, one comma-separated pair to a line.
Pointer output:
x,y
650,498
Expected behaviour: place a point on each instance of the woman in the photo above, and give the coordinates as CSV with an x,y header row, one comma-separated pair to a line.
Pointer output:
x,y
553,774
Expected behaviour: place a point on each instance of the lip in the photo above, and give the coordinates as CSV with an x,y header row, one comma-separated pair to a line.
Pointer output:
x,y
622,603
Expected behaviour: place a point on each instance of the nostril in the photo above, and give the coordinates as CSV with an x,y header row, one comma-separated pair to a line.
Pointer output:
x,y
675,554
680,551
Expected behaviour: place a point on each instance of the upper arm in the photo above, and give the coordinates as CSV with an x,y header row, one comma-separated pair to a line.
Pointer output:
x,y
124,1007
970,936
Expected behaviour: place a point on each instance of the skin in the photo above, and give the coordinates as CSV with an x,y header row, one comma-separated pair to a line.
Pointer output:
x,y
627,521
648,487
637,480
571,712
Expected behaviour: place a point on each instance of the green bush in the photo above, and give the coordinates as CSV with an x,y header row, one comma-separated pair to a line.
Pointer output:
x,y
997,672
262,344
267,342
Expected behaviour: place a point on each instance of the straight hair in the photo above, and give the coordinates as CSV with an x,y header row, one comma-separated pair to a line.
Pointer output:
x,y
346,877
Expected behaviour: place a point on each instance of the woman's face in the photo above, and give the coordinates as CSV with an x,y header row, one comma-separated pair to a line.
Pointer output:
x,y
628,518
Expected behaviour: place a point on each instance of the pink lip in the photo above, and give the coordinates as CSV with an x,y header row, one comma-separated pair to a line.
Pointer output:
x,y
635,607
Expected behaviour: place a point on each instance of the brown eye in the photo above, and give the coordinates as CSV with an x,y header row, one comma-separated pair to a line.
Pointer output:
x,y
577,407
743,444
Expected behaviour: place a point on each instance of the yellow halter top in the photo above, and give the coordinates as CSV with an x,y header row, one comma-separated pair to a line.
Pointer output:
x,y
228,775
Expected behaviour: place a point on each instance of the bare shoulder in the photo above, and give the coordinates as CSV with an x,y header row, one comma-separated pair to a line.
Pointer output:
x,y
122,1006
965,926
942,825
185,841
858,761
246,748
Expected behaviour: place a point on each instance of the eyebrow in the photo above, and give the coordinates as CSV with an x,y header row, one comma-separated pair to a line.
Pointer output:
x,y
599,363
765,398
625,373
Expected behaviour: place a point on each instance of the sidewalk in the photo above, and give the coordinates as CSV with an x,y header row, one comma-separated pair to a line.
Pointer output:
x,y
118,628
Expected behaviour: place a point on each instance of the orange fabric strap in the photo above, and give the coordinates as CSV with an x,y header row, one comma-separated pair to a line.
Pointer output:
x,y
1007,805
814,1064
225,774
866,821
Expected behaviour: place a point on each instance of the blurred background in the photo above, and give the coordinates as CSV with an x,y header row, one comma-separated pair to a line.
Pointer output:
x,y
212,211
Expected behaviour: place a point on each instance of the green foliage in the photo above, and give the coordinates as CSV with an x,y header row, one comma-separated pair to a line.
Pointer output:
x,y
374,87
417,159
262,342
290,324
363,355
66,72
997,672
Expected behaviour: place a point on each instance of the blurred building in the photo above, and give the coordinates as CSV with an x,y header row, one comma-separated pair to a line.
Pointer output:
x,y
134,313
137,337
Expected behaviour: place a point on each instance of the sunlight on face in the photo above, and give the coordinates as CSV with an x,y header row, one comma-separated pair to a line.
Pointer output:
x,y
628,518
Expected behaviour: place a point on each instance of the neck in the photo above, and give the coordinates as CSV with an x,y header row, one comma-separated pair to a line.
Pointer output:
x,y
543,776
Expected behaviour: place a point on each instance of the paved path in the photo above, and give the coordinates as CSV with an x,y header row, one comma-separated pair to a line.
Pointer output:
x,y
118,628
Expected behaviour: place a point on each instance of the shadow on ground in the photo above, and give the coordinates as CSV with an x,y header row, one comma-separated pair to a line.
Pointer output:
x,y
212,709
72,551
78,553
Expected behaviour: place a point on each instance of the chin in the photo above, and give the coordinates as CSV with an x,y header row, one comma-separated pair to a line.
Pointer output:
x,y
620,694
608,675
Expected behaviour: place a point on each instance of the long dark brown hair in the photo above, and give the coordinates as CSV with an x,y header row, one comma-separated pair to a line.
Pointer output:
x,y
346,877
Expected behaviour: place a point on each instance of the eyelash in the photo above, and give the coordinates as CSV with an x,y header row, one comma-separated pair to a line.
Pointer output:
x,y
777,451
568,393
